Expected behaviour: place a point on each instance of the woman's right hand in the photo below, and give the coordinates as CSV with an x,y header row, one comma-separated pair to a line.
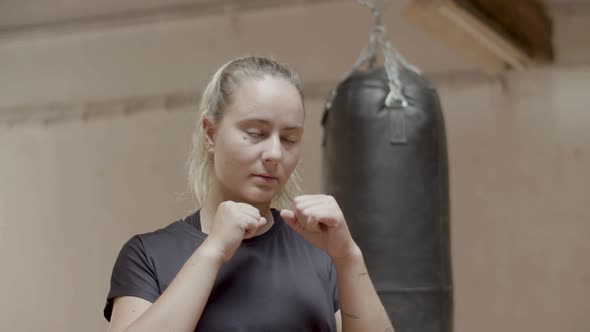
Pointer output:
x,y
232,223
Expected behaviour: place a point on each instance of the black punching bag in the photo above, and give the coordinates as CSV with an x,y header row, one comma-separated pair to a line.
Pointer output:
x,y
387,168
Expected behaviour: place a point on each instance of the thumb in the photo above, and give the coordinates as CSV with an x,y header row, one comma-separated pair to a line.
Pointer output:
x,y
291,220
289,216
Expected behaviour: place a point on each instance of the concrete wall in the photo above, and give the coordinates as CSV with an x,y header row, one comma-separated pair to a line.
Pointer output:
x,y
520,188
72,191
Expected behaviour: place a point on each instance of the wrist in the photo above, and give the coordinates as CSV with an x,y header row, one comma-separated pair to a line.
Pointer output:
x,y
351,255
208,251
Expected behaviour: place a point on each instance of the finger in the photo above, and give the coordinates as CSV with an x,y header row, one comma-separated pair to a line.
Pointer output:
x,y
311,201
307,220
302,205
302,216
249,233
305,199
299,214
249,209
291,220
255,224
251,227
247,221
310,223
289,216
314,224
322,215
241,208
306,212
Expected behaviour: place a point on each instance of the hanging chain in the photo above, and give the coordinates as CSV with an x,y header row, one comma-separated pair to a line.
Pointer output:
x,y
391,58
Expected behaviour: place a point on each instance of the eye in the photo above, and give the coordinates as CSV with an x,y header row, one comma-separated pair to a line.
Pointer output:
x,y
290,140
255,134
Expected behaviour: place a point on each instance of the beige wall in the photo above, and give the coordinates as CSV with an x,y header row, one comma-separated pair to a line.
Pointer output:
x,y
520,190
71,192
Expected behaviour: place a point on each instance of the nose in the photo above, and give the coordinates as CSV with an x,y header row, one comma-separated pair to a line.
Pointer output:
x,y
273,151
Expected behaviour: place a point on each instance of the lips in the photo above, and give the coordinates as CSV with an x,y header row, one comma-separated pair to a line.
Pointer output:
x,y
265,176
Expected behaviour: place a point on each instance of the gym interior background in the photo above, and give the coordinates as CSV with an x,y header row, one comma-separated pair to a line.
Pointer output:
x,y
98,101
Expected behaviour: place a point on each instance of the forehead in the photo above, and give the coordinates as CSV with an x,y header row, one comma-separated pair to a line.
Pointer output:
x,y
272,99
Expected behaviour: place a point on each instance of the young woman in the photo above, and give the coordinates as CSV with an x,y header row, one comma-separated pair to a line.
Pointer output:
x,y
239,263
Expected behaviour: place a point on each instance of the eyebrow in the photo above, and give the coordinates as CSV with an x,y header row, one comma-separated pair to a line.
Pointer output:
x,y
267,123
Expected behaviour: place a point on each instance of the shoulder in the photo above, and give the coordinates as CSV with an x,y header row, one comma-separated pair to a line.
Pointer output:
x,y
161,241
157,254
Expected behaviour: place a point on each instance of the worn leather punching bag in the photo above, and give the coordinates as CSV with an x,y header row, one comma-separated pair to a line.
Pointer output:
x,y
386,165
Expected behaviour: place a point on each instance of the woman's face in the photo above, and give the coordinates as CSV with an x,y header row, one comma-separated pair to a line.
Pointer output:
x,y
257,143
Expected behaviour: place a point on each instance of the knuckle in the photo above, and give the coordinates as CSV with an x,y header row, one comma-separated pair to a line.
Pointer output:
x,y
227,204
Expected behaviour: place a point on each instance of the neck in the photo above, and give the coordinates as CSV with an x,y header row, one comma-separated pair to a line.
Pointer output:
x,y
216,197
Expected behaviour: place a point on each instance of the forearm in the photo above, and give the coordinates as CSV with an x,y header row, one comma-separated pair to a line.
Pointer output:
x,y
360,305
180,307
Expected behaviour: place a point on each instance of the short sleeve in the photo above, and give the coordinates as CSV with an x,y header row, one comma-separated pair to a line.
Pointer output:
x,y
334,286
132,275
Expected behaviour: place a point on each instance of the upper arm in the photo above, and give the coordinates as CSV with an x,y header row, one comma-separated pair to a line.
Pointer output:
x,y
133,276
126,309
338,316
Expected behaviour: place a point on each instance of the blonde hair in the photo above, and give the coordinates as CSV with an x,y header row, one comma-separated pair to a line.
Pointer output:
x,y
216,97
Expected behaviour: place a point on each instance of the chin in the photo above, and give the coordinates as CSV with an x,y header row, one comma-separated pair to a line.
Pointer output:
x,y
259,197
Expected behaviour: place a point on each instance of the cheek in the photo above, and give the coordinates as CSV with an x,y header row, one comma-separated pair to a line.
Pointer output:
x,y
234,150
292,159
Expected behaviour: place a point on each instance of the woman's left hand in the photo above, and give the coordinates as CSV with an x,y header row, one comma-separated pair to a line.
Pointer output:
x,y
319,220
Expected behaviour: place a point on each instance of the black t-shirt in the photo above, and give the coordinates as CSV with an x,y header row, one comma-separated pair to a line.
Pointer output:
x,y
275,282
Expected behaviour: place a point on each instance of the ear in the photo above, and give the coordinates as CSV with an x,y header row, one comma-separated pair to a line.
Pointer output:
x,y
209,130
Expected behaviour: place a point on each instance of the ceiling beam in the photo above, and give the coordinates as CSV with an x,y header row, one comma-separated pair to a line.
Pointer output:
x,y
525,22
496,35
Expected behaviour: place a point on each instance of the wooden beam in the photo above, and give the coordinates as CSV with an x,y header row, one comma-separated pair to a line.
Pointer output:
x,y
430,16
461,26
526,22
